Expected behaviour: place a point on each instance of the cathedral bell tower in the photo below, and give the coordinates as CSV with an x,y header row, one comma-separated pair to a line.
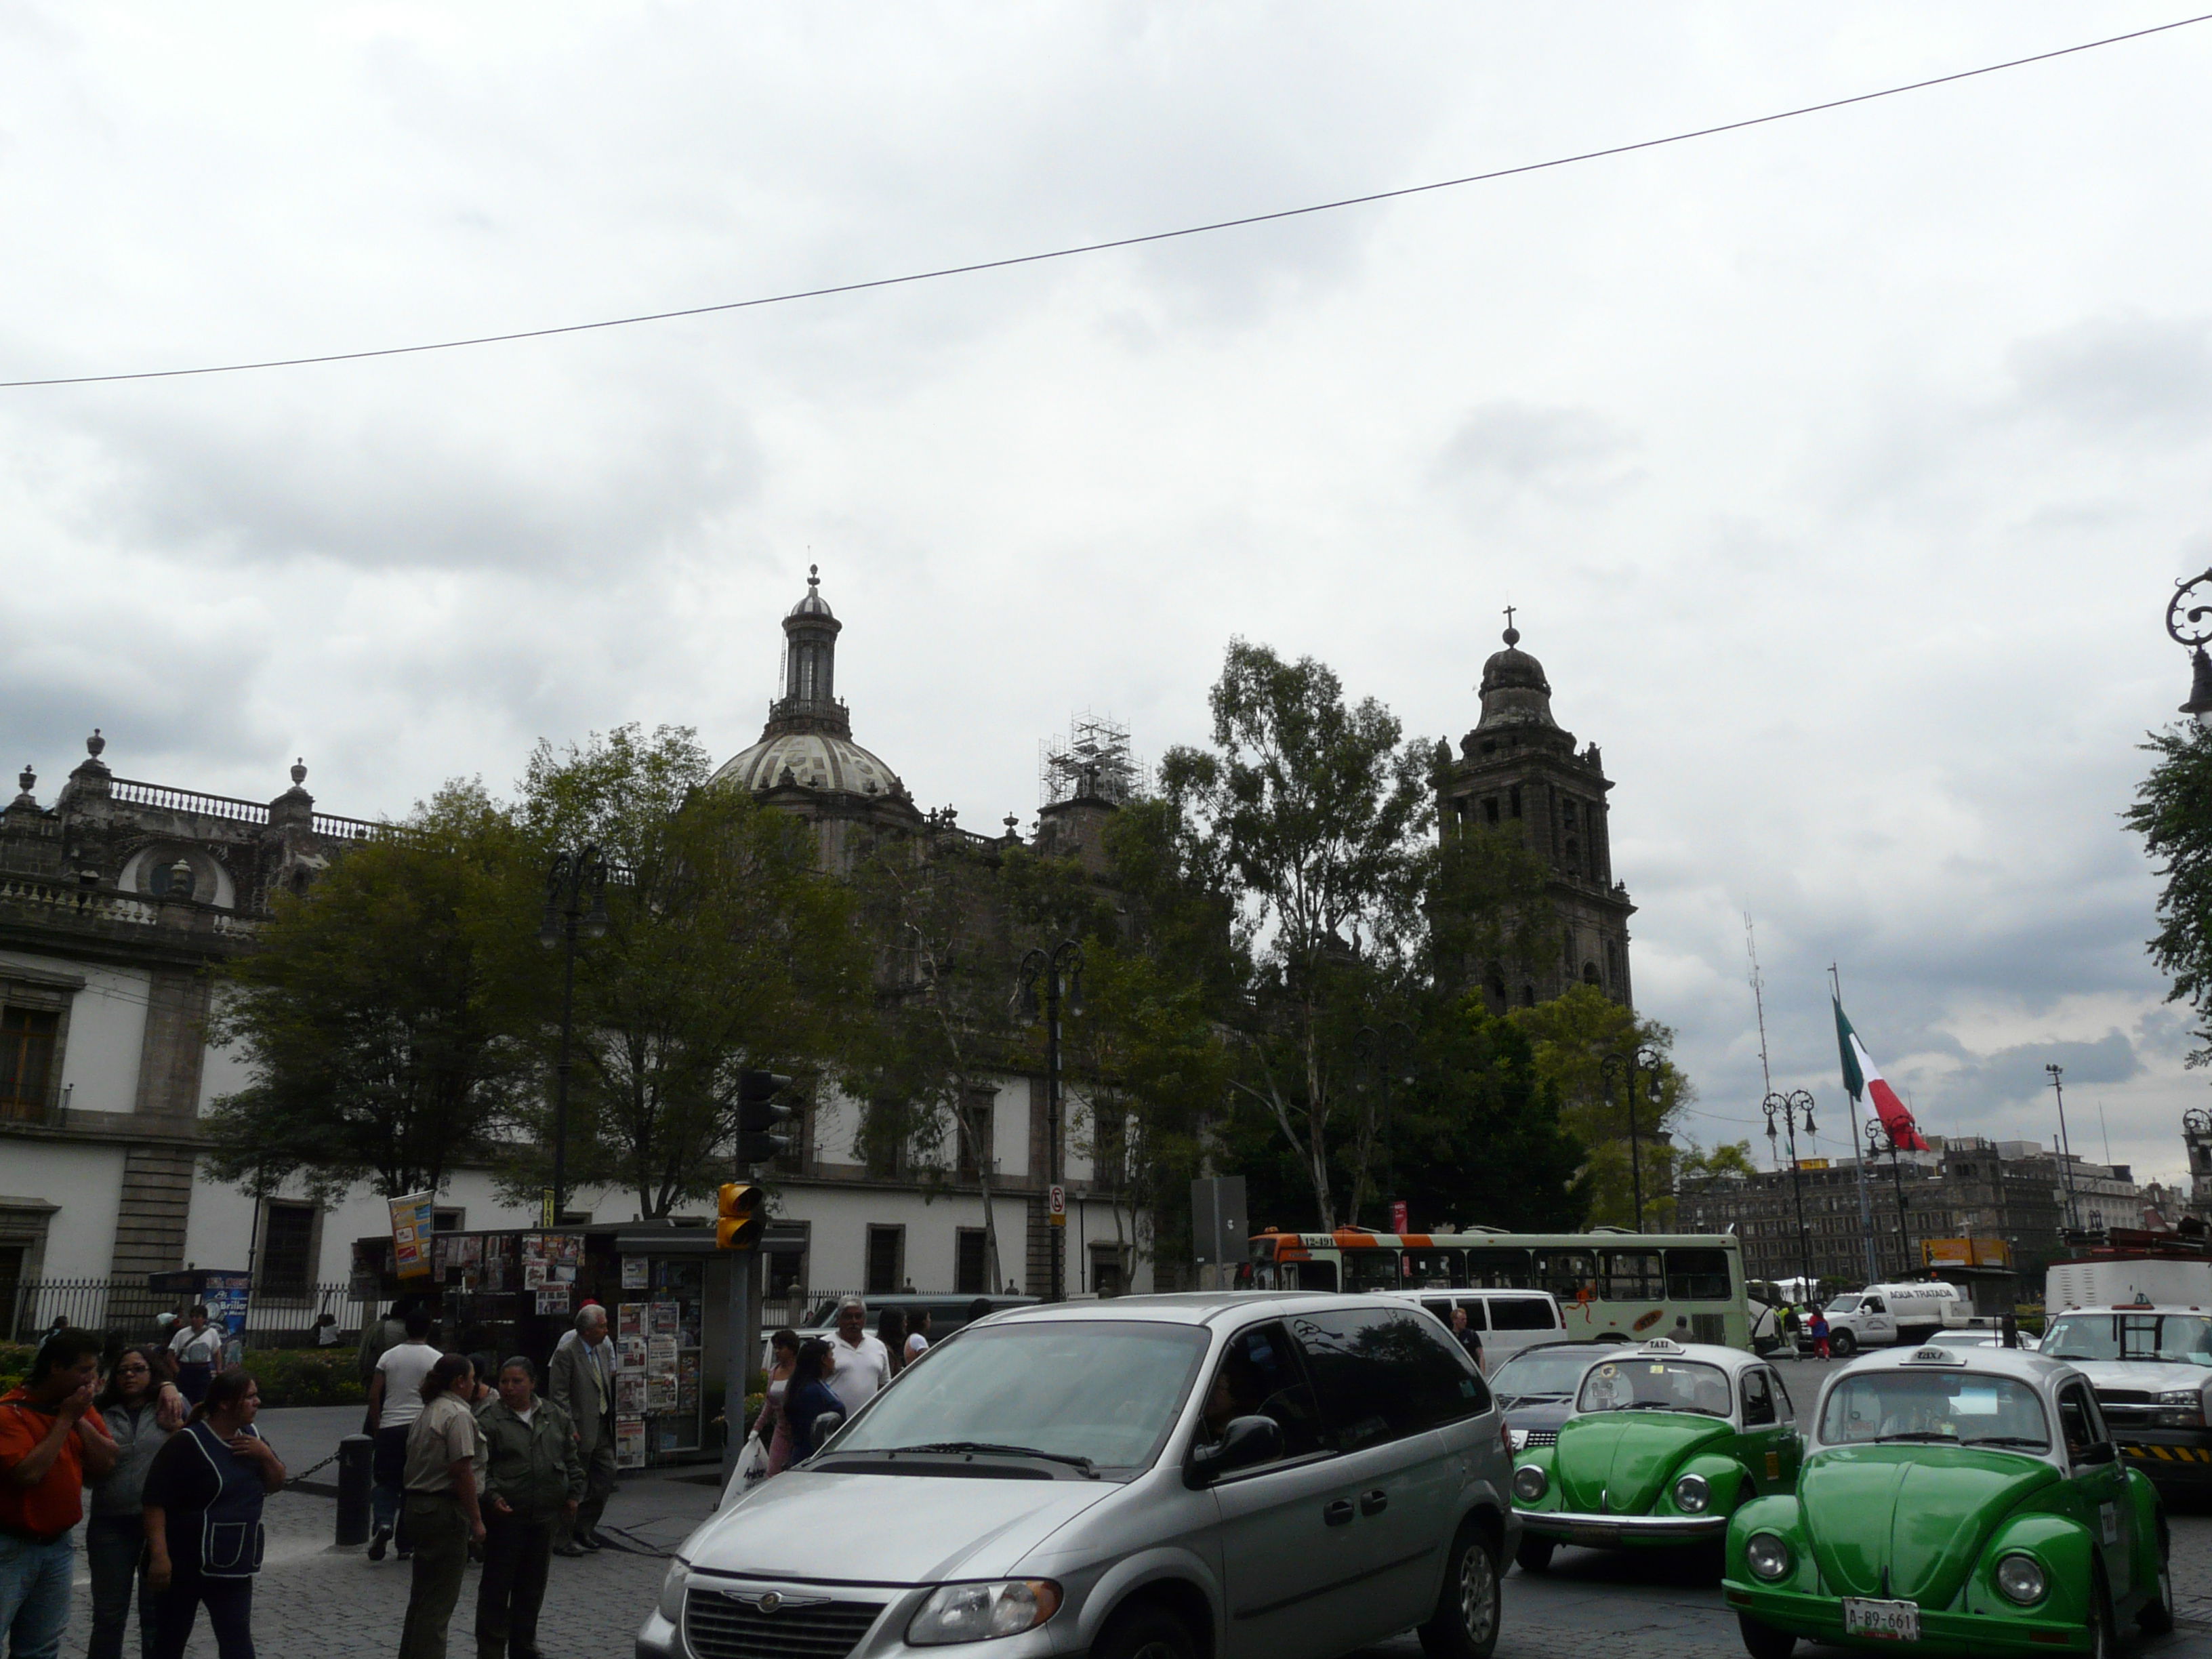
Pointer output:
x,y
1519,771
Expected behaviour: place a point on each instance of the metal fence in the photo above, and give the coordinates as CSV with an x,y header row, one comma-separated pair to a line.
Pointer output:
x,y
275,1317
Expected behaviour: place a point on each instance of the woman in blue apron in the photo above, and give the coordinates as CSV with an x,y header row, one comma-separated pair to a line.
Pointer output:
x,y
202,1499
196,1348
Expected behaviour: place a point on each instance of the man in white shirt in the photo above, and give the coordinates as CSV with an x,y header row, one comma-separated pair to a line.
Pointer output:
x,y
395,1401
860,1365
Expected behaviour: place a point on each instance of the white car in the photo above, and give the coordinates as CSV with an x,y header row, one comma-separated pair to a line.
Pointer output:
x,y
2152,1369
1507,1320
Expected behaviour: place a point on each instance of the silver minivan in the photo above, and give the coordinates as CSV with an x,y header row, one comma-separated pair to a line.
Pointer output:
x,y
1250,1476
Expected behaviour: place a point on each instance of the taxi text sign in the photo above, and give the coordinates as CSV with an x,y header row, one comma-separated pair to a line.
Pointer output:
x,y
414,1219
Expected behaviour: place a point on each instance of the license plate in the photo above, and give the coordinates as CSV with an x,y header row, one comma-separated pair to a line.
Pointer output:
x,y
1597,1538
1895,1621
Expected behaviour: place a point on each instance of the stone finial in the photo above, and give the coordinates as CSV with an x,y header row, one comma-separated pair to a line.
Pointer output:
x,y
300,770
1013,826
814,575
181,881
94,744
26,779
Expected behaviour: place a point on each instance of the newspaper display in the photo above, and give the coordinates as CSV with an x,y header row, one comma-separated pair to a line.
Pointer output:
x,y
629,1443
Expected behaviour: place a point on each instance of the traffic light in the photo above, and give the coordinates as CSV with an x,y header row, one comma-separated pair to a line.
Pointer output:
x,y
759,1112
739,1216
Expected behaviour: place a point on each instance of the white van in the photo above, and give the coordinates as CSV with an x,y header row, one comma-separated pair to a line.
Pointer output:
x,y
1507,1320
1882,1314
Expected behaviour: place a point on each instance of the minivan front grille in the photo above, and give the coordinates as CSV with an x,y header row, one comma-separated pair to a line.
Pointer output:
x,y
719,1626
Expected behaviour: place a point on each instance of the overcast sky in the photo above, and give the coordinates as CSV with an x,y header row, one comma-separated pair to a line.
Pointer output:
x,y
1840,468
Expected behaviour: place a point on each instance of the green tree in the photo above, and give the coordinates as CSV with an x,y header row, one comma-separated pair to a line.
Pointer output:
x,y
2172,813
726,948
1573,1037
377,1013
1308,814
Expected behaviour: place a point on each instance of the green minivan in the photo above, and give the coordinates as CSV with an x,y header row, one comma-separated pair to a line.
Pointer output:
x,y
1668,1440
1953,1499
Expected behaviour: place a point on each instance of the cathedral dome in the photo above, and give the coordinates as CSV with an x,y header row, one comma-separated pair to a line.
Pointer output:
x,y
815,760
1514,690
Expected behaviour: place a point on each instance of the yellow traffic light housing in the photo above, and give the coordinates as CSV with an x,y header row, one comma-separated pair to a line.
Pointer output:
x,y
739,1216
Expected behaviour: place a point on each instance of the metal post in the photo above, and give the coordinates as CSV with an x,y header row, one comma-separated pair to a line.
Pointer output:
x,y
1635,1147
1785,1107
742,1348
1903,1227
356,1462
1058,1289
561,1069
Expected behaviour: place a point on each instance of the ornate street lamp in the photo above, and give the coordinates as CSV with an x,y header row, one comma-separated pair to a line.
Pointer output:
x,y
2188,625
575,907
1880,1140
1061,969
1790,1108
1647,1061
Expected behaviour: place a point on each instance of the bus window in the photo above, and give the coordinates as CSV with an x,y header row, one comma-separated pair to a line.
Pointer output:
x,y
1632,1276
1566,1274
1497,1270
1698,1276
1312,1275
1434,1270
1370,1269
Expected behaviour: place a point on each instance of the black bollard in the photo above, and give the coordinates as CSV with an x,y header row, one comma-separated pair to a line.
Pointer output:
x,y
356,1460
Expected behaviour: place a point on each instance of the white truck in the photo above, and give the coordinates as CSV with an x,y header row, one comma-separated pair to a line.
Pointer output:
x,y
2164,1282
1882,1314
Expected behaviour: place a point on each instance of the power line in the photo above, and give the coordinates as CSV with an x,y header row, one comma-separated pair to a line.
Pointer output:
x,y
1116,242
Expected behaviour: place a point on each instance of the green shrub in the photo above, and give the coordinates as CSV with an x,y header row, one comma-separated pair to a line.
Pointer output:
x,y
14,1363
306,1377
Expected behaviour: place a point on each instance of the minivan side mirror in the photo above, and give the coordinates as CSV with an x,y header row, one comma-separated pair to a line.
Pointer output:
x,y
1245,1443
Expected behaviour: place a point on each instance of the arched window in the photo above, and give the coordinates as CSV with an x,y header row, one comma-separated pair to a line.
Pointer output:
x,y
1490,810
1574,859
1513,801
1527,996
1589,972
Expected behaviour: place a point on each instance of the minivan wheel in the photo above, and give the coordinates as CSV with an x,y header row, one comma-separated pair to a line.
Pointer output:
x,y
1465,1623
1146,1632
1535,1554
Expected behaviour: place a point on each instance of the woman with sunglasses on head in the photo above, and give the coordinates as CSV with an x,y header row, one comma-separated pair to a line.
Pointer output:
x,y
142,1411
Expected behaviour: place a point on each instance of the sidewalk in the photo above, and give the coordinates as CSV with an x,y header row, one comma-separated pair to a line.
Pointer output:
x,y
314,1599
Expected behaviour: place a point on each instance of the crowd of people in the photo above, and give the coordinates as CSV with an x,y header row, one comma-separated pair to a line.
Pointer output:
x,y
815,1384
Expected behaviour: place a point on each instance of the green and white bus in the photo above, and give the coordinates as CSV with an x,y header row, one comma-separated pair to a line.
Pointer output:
x,y
1634,1285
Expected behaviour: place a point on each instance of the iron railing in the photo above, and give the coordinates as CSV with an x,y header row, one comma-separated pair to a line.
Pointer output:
x,y
126,1307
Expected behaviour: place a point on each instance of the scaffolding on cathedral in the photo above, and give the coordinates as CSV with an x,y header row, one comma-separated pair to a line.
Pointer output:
x,y
1093,760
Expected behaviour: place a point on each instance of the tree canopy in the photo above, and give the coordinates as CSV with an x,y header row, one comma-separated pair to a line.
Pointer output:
x,y
2172,813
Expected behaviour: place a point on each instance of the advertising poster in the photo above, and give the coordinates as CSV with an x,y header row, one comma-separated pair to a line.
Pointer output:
x,y
565,1247
629,1353
660,1355
635,1276
629,1394
629,1443
687,1383
667,1320
553,1298
660,1393
414,1221
533,1274
630,1319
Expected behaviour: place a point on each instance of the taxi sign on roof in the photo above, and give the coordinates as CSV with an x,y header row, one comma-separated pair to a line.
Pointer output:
x,y
1663,1345
1933,1356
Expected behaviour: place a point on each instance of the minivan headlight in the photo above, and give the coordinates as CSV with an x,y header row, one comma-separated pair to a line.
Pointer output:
x,y
1693,1495
671,1590
2021,1578
1767,1556
1530,1482
974,1613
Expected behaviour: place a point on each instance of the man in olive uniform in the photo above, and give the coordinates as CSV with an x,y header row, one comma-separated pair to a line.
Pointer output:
x,y
533,1480
582,1383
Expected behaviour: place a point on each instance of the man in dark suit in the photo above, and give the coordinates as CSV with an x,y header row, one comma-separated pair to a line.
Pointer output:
x,y
582,1383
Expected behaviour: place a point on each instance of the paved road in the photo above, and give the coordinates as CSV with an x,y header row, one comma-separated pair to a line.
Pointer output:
x,y
312,1600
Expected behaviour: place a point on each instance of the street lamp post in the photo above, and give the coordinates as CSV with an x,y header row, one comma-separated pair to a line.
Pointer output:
x,y
1647,1061
575,907
1379,1051
2065,1141
1789,1108
1060,968
2188,625
1879,1140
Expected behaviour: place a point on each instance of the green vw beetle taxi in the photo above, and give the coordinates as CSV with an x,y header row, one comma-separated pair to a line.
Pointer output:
x,y
1667,1441
1953,1499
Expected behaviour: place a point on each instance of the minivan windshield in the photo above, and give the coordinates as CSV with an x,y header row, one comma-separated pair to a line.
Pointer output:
x,y
1540,1374
1106,1391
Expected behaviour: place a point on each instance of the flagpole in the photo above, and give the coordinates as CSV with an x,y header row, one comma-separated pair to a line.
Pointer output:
x,y
1866,1202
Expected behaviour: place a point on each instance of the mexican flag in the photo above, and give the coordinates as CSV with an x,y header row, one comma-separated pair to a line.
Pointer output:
x,y
1863,1079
